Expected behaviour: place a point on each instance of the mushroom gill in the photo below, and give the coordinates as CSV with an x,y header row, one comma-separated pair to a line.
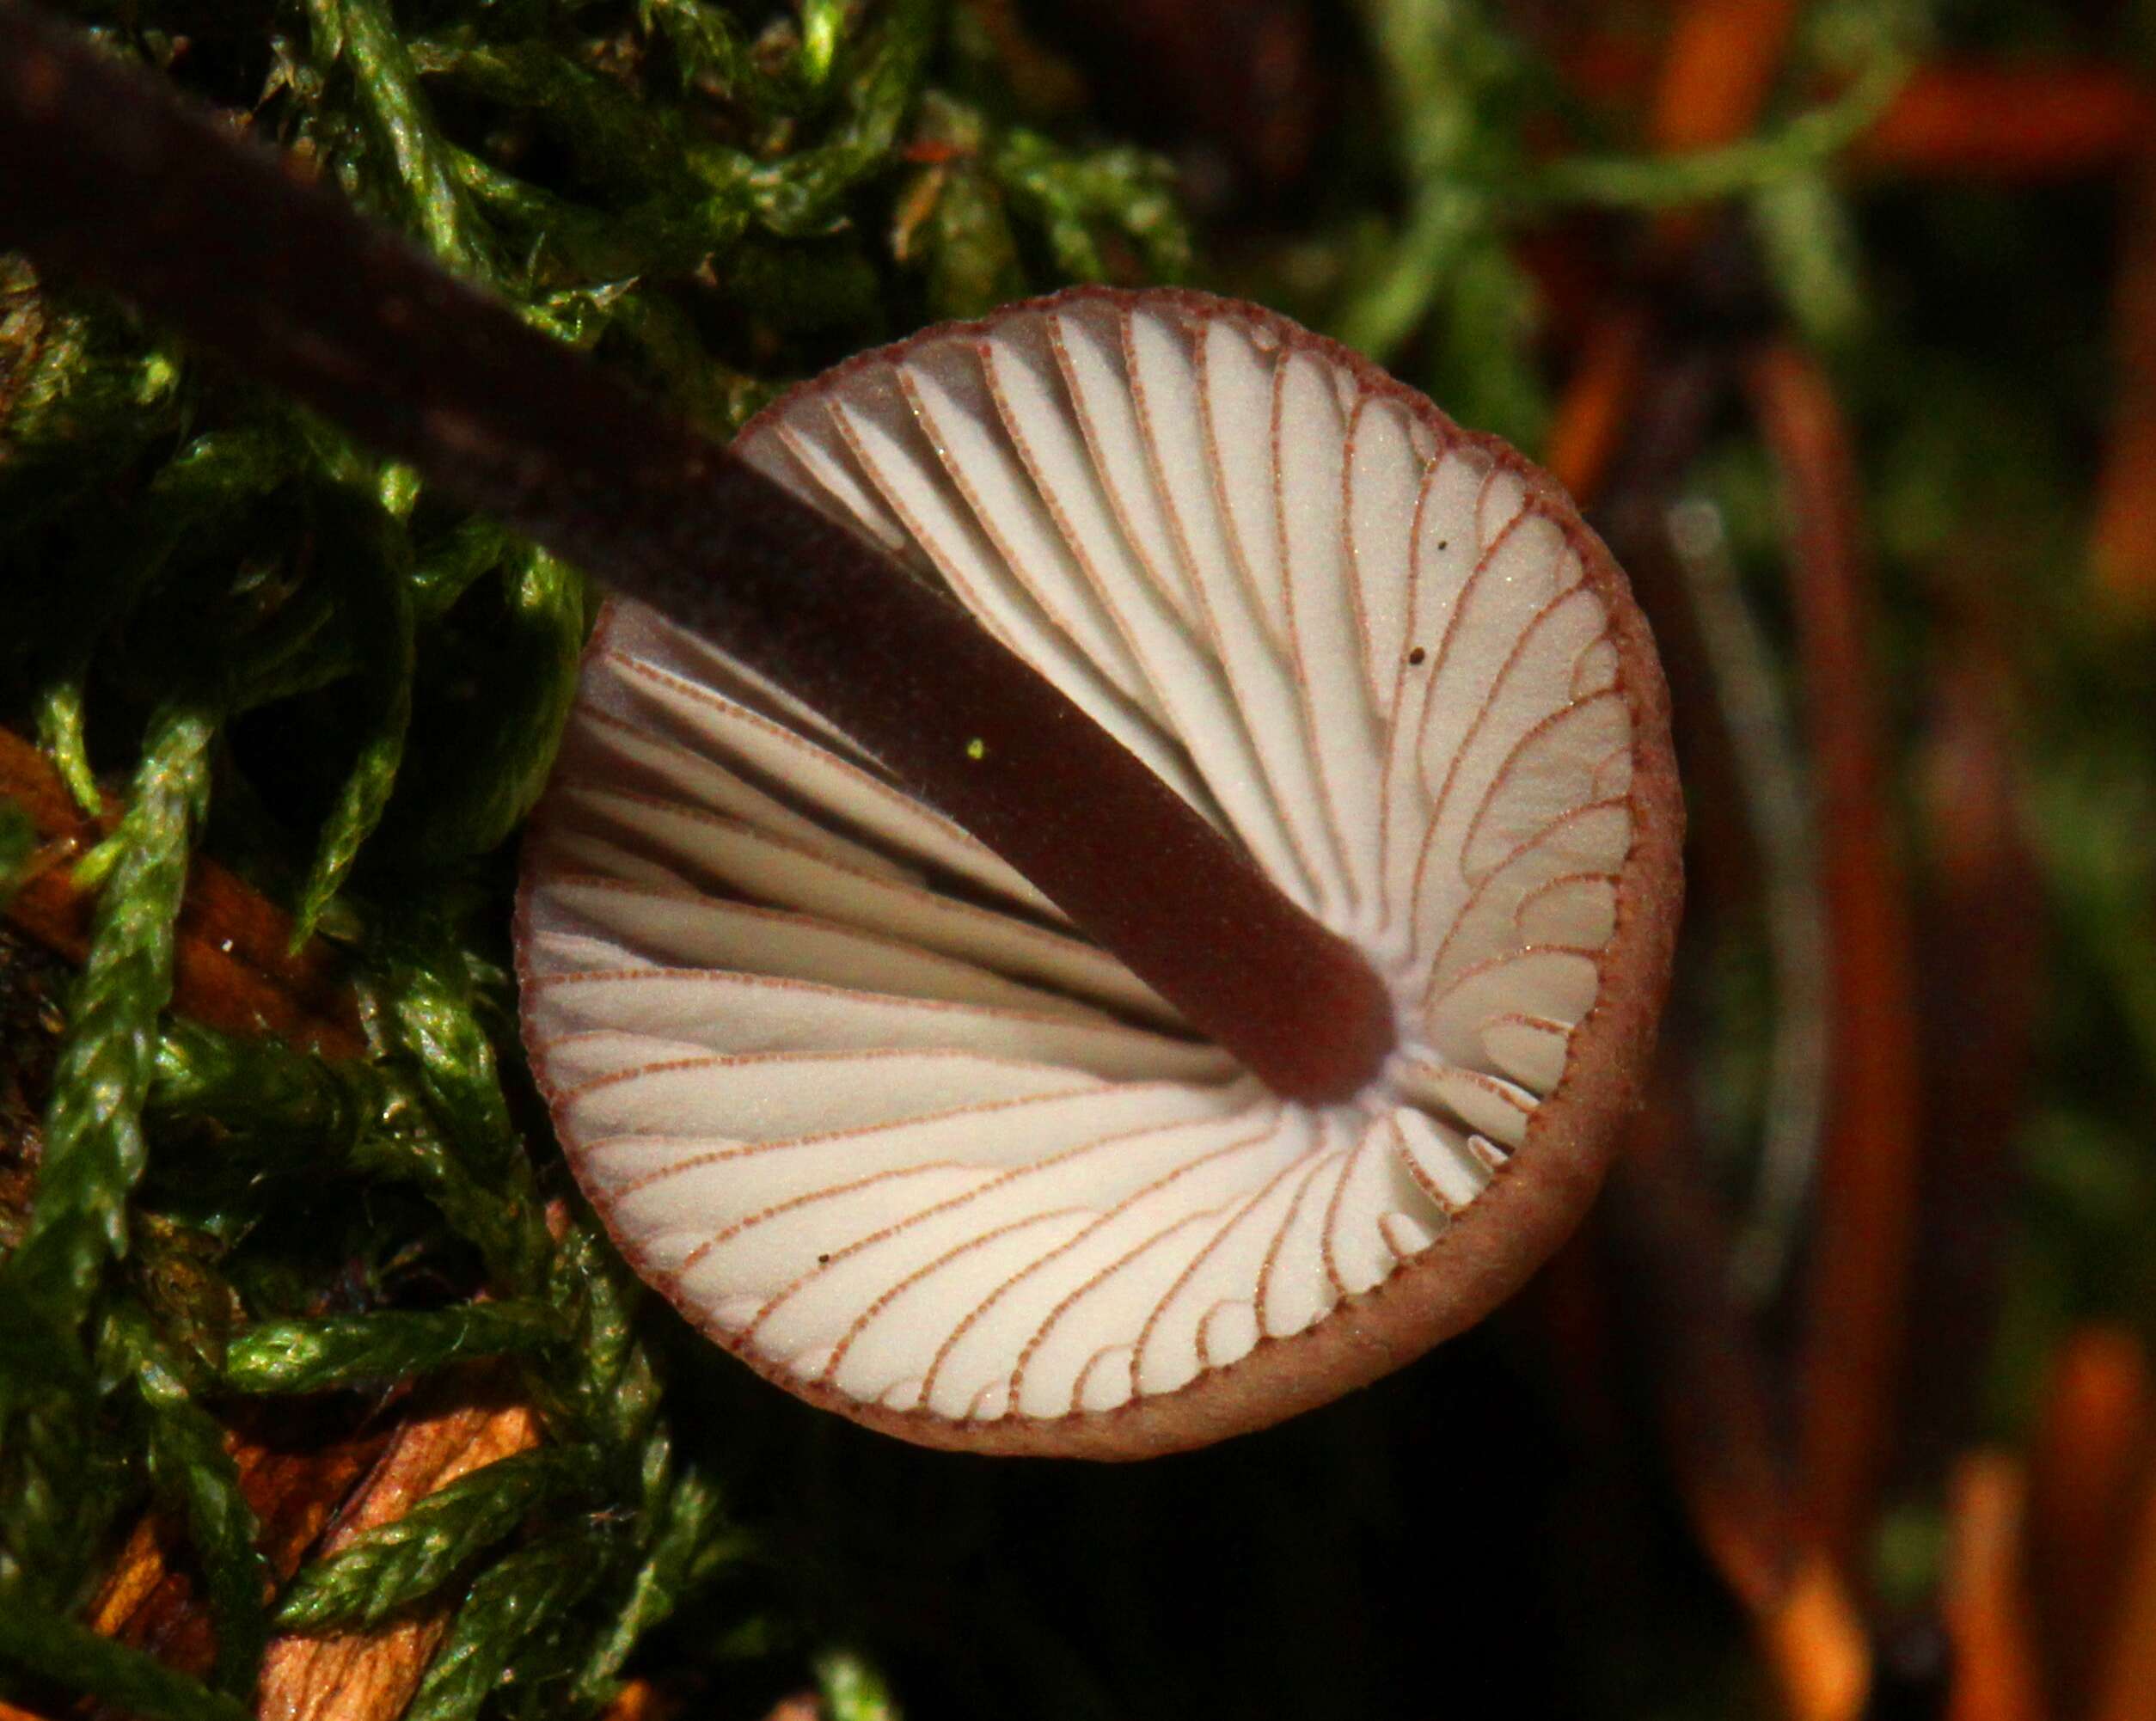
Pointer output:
x,y
856,1097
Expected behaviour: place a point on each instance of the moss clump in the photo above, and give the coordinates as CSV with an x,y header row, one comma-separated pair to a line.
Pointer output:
x,y
353,690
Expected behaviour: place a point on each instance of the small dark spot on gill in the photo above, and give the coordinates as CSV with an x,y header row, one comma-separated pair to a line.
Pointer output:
x,y
822,1260
1416,655
1443,544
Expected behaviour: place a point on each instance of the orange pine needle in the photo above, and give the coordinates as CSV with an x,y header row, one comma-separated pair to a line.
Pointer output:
x,y
2017,123
1984,1599
2126,1685
1983,951
1971,119
640,1701
1853,1340
232,970
1718,70
1589,424
2096,1433
1709,1375
2124,547
1815,1646
1718,67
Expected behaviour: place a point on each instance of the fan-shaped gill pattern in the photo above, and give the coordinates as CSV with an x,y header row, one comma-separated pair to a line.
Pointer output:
x,y
859,1099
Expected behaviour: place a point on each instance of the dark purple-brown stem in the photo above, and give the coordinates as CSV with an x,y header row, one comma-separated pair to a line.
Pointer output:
x,y
105,178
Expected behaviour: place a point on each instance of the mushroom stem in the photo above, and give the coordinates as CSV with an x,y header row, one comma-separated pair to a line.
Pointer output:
x,y
113,182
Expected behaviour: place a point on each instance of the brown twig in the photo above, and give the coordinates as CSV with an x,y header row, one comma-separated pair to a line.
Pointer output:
x,y
232,970
1853,1346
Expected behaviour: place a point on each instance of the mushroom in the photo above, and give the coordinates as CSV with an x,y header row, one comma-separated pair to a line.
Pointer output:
x,y
859,1100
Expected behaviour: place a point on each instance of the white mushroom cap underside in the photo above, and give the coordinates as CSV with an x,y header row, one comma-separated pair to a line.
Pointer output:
x,y
857,1097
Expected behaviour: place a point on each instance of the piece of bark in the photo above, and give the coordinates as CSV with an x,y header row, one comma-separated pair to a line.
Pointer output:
x,y
296,1478
231,969
370,1675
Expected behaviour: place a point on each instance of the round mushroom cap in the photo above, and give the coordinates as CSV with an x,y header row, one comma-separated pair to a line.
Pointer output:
x,y
868,1110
